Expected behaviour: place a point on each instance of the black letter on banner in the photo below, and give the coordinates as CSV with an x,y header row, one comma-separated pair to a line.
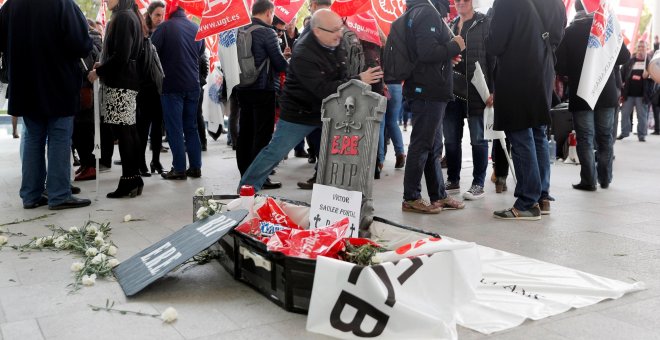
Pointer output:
x,y
355,274
363,309
382,275
416,264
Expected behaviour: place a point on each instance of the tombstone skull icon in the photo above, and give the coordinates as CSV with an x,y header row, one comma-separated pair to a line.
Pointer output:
x,y
349,123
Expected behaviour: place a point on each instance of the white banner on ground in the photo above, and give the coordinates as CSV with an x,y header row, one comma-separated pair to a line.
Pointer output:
x,y
515,288
602,51
330,204
479,82
414,298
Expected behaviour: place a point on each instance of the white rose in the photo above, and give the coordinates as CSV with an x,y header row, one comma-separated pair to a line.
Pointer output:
x,y
91,251
112,250
113,263
73,230
92,230
127,218
3,240
39,242
169,315
202,213
99,258
199,191
100,234
89,280
77,266
104,248
213,205
99,241
59,244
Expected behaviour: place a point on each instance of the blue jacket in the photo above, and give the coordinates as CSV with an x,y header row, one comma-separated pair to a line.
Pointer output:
x,y
179,53
43,41
266,45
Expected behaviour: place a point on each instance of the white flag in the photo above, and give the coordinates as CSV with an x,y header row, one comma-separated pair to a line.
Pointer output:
x,y
229,58
602,51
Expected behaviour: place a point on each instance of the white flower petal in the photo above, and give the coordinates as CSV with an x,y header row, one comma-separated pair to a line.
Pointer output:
x,y
127,218
3,240
77,266
169,315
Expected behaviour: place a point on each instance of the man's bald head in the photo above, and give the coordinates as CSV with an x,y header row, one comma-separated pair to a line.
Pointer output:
x,y
327,26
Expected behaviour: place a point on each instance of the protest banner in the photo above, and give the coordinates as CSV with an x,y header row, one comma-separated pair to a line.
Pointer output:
x,y
223,15
330,204
365,27
287,10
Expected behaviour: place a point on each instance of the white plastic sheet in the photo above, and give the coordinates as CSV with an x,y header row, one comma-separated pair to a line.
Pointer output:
x,y
414,298
515,288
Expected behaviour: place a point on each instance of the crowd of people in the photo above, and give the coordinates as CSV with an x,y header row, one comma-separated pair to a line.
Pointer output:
x,y
522,47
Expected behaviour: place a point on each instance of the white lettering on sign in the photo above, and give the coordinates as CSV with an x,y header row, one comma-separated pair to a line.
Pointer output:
x,y
159,258
215,226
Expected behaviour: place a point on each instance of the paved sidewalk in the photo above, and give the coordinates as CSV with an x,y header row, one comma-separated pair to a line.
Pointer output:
x,y
614,233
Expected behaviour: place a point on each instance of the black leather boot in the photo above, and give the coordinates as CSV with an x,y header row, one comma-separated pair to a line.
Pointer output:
x,y
128,186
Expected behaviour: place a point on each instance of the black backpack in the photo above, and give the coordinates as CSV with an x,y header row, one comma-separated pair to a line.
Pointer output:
x,y
398,59
151,70
354,53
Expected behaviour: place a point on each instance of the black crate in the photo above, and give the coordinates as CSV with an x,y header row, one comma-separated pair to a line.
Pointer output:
x,y
287,281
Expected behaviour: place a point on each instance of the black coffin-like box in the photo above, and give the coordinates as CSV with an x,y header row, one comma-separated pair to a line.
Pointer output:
x,y
285,280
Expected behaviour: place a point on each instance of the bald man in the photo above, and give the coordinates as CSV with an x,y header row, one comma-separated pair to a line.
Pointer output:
x,y
316,69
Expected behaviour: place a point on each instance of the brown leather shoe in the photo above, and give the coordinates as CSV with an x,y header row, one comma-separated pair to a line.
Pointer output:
x,y
87,174
400,161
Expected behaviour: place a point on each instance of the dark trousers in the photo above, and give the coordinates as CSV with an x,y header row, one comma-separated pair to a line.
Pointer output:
x,y
256,123
201,126
234,114
128,138
499,158
107,145
149,118
83,137
656,119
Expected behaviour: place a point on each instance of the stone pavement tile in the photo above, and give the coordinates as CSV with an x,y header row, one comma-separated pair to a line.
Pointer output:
x,y
86,323
648,231
630,213
21,330
46,266
50,298
250,333
295,329
2,315
642,314
8,276
199,319
597,326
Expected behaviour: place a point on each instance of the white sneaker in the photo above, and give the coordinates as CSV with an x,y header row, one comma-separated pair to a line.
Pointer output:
x,y
475,192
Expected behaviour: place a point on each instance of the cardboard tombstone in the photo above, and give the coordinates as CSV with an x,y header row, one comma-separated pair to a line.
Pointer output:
x,y
349,142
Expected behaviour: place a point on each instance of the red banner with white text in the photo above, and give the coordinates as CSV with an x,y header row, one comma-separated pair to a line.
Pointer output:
x,y
194,7
287,10
222,15
211,43
347,8
365,27
386,11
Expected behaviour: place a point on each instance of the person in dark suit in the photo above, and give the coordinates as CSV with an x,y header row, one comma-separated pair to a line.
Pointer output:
x,y
45,91
524,43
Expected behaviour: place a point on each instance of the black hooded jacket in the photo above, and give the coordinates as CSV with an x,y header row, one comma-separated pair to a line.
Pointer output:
x,y
433,46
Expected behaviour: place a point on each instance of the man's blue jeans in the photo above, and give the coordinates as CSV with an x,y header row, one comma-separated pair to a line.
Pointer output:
x,y
453,132
180,116
390,122
642,109
56,132
424,151
286,136
532,164
595,126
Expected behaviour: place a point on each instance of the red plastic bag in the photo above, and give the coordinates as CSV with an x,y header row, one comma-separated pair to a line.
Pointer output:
x,y
311,243
271,212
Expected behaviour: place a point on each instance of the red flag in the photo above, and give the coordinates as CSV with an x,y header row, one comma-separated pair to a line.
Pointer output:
x,y
591,5
386,11
452,10
142,5
194,7
211,43
100,16
347,8
286,12
222,15
365,27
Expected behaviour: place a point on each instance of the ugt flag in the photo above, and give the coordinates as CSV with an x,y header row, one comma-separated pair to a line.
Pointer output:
x,y
602,50
286,10
222,15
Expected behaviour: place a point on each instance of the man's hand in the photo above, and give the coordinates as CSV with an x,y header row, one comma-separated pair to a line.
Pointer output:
x,y
91,76
459,40
372,75
490,100
287,53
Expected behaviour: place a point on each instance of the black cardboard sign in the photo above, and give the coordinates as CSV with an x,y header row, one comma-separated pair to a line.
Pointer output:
x,y
147,266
